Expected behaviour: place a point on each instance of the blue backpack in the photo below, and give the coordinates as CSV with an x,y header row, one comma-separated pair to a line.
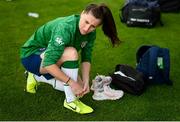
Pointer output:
x,y
154,63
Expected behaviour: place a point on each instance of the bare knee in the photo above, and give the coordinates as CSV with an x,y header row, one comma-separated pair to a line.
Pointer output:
x,y
70,53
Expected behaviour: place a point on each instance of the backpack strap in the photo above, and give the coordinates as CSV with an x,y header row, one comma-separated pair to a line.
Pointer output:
x,y
166,64
141,52
153,54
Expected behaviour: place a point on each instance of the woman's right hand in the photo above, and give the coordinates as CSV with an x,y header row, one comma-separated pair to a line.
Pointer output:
x,y
76,88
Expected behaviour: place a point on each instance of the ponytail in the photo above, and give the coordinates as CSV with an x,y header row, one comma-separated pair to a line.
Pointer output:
x,y
108,25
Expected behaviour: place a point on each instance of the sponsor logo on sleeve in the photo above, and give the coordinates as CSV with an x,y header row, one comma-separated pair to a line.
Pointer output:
x,y
59,41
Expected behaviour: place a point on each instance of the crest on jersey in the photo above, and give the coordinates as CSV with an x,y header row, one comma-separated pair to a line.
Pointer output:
x,y
83,44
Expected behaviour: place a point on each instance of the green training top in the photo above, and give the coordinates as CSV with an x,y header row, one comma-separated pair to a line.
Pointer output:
x,y
55,36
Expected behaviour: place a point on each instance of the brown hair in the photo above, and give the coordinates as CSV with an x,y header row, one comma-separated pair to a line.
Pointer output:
x,y
108,25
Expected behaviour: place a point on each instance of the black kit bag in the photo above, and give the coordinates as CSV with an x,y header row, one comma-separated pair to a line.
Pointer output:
x,y
128,79
141,13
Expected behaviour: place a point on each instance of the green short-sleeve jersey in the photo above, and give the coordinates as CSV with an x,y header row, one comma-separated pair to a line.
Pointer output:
x,y
55,36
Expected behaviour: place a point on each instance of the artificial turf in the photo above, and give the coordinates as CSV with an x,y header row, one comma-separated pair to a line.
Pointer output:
x,y
158,102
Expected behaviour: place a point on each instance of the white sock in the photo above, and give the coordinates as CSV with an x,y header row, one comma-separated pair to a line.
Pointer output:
x,y
73,74
58,85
